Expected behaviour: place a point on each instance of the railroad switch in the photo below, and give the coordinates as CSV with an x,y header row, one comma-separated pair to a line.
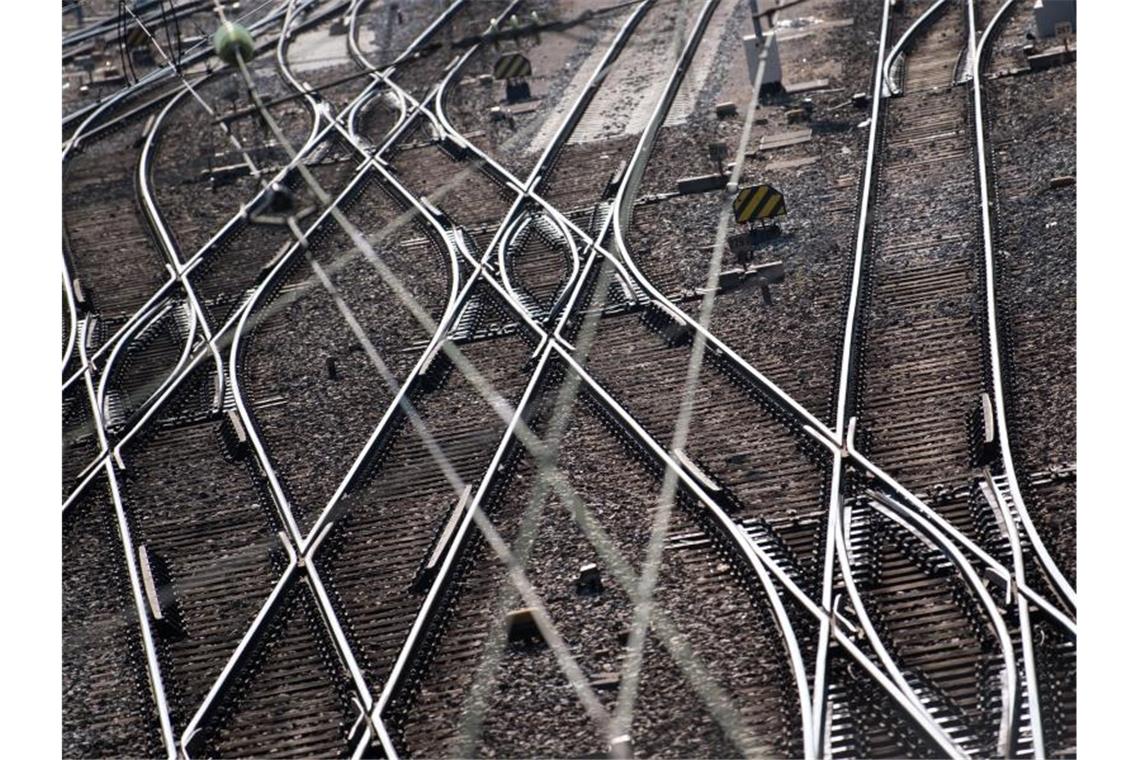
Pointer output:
x,y
522,625
589,579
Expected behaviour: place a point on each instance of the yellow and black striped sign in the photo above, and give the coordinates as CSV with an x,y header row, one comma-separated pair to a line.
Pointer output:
x,y
512,66
758,202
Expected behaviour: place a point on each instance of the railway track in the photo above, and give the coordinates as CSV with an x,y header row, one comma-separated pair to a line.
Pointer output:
x,y
1040,374
107,703
374,595
921,267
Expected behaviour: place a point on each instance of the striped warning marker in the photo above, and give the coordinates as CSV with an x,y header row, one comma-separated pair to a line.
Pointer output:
x,y
758,202
512,66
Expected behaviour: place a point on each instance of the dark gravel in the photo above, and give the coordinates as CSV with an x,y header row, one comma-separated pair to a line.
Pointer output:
x,y
532,710
672,241
1033,139
107,705
315,424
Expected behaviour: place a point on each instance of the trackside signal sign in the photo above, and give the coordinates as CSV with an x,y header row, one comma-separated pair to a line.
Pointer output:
x,y
512,66
758,202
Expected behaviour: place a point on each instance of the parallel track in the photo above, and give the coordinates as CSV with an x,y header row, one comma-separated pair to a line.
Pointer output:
x,y
336,602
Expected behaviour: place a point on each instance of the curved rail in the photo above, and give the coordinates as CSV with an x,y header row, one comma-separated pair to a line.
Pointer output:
x,y
993,331
185,268
154,672
509,242
1035,720
299,547
223,332
892,66
93,109
166,240
123,348
72,324
548,347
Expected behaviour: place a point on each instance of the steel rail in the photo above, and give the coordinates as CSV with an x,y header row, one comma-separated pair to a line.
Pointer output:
x,y
268,286
510,434
243,213
108,23
445,121
123,347
832,545
266,289
1067,592
920,718
979,57
226,229
890,87
72,323
166,240
507,243
239,654
154,672
514,228
560,301
334,628
811,424
294,538
918,525
1007,731
305,546
580,105
509,221
919,508
624,200
91,111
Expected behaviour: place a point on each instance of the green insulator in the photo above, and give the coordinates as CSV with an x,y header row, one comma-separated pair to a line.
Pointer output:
x,y
232,40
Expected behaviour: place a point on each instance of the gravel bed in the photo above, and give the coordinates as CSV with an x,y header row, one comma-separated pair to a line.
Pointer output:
x,y
110,74
766,472
470,197
294,699
323,422
193,208
106,234
372,560
1033,139
531,709
211,538
79,444
419,74
107,706
556,60
672,240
